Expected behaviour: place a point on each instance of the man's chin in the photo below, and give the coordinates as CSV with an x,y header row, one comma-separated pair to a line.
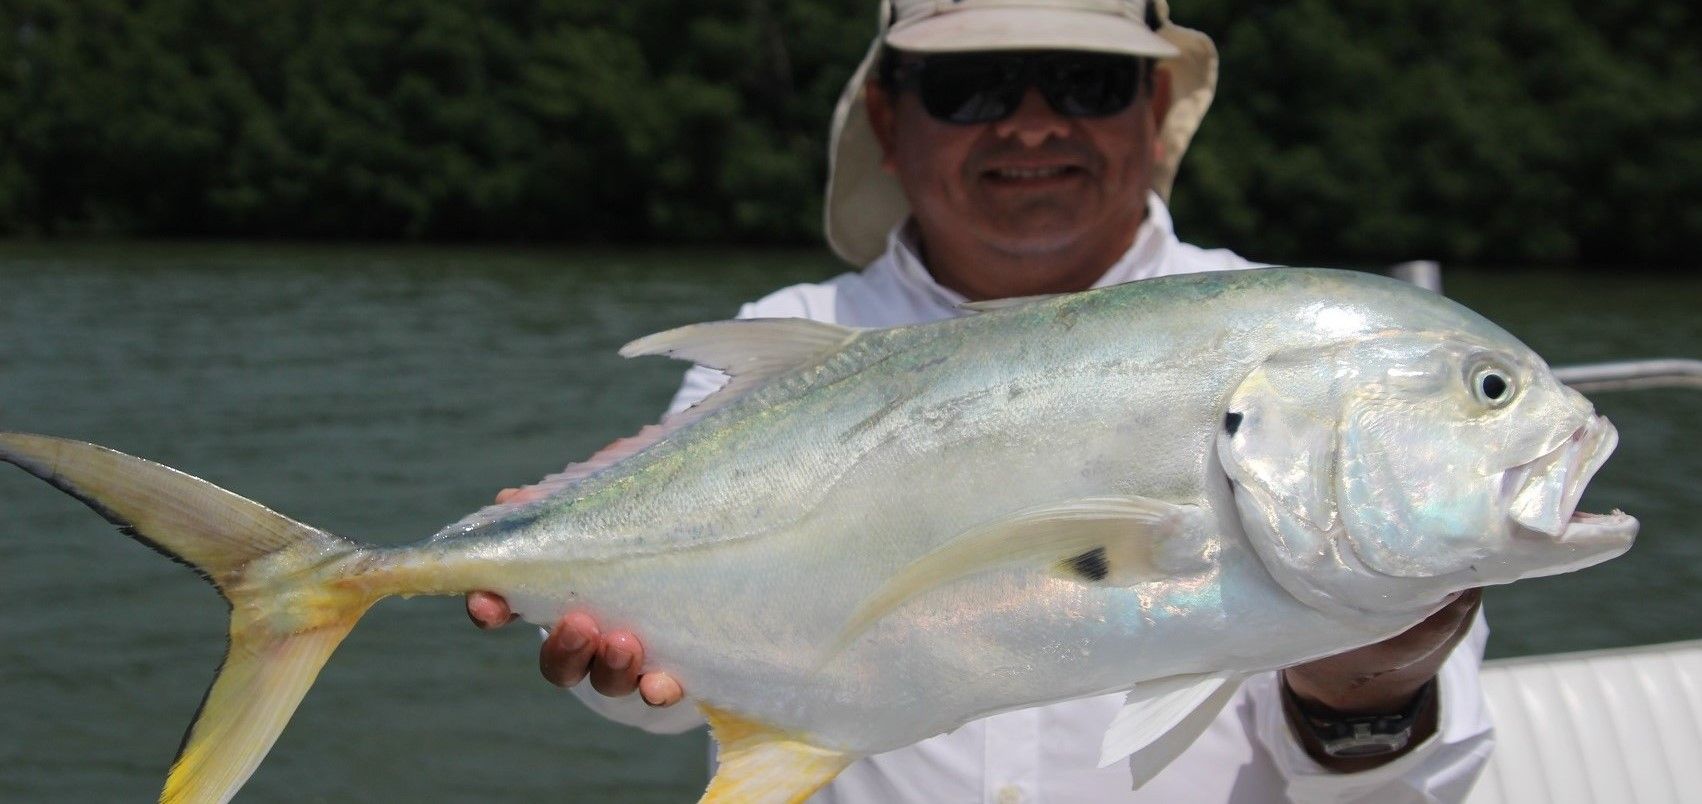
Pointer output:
x,y
1034,235
1045,224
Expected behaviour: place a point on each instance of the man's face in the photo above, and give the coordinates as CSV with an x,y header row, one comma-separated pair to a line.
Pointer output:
x,y
1032,184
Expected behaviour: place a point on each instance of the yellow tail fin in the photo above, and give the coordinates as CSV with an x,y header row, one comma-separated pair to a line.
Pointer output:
x,y
253,696
284,581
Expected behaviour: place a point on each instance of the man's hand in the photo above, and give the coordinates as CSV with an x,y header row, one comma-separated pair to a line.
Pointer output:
x,y
1382,678
575,648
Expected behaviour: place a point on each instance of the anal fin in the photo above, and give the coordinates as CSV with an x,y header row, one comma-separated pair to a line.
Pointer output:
x,y
1162,718
760,764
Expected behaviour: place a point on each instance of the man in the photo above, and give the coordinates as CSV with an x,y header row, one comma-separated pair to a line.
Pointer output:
x,y
1000,148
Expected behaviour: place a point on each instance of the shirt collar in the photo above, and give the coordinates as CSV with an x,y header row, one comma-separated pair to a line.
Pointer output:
x,y
1144,258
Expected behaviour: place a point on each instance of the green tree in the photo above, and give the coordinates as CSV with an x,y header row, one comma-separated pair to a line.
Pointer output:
x,y
1522,131
1514,132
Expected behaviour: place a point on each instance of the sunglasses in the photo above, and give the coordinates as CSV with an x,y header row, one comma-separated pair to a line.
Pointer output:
x,y
969,88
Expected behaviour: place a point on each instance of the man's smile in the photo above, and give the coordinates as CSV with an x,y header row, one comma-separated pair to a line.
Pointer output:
x,y
1035,175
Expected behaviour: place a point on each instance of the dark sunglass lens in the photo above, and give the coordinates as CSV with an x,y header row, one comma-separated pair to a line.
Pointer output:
x,y
1089,85
970,89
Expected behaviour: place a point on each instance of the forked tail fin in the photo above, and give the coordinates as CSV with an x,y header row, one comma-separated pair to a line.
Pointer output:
x,y
290,588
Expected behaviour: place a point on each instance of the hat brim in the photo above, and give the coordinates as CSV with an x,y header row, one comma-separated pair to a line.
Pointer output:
x,y
1030,29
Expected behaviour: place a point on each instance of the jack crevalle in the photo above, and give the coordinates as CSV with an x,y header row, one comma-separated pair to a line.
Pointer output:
x,y
870,537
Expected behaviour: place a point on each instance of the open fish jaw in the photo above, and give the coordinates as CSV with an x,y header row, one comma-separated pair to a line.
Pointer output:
x,y
1546,491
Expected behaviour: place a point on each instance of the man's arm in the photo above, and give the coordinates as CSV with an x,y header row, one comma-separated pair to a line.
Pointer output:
x,y
1381,679
1448,749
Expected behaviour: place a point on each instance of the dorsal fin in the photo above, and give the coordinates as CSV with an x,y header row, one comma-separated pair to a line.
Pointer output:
x,y
614,452
764,346
749,351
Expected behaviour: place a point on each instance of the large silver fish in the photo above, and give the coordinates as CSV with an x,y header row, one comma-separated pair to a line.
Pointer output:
x,y
870,537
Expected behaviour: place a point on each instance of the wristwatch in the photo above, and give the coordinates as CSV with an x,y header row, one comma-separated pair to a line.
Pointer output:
x,y
1360,736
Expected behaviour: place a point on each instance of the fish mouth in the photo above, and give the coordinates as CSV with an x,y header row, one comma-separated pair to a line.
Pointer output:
x,y
1543,493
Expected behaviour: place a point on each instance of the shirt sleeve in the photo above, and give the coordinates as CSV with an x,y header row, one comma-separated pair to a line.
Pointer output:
x,y
1440,769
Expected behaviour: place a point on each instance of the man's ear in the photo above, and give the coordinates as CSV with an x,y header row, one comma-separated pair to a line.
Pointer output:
x,y
879,105
1160,100
1159,104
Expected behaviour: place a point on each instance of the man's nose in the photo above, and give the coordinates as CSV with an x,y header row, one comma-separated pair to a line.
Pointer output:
x,y
1034,122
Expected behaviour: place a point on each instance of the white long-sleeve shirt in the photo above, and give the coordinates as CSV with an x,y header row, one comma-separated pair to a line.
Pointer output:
x,y
1050,753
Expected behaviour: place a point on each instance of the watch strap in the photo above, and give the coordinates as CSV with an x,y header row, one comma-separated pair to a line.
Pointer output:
x,y
1357,736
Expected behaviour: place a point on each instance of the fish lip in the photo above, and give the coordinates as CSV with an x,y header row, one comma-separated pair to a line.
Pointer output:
x,y
1587,528
1543,494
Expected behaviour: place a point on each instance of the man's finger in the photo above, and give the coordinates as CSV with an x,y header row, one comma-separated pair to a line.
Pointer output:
x,y
568,650
504,495
488,610
615,673
659,689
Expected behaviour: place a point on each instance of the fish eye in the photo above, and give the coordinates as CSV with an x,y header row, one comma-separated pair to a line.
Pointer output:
x,y
1492,386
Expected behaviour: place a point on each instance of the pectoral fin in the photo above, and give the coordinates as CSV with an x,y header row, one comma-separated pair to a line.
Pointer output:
x,y
1119,541
760,764
1162,718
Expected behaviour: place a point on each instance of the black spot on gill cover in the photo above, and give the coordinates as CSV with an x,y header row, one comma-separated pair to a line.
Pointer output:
x,y
1092,565
1231,422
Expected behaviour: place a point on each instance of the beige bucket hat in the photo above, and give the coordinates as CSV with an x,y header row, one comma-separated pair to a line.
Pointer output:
x,y
864,202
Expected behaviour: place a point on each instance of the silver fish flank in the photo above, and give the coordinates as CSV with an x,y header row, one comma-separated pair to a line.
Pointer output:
x,y
872,536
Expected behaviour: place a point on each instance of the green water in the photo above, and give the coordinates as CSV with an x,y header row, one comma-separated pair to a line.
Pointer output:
x,y
380,393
